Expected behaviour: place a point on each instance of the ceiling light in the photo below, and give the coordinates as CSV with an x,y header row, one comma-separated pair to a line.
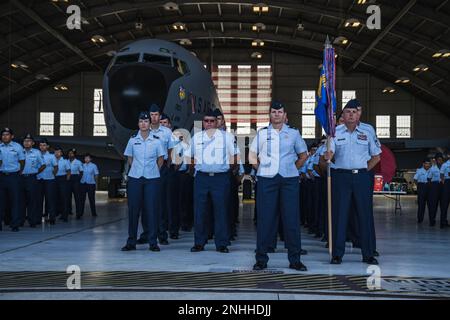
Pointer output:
x,y
138,25
61,87
179,26
171,6
388,90
259,27
256,55
257,43
19,64
352,23
403,80
185,42
444,53
300,27
41,76
98,39
361,1
261,7
341,40
421,67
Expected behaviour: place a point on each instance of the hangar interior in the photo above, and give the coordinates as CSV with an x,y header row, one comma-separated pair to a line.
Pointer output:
x,y
51,83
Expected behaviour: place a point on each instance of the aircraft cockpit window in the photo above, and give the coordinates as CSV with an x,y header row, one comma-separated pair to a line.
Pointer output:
x,y
165,60
182,67
129,58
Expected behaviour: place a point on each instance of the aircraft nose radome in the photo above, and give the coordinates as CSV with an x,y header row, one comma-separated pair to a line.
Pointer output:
x,y
133,89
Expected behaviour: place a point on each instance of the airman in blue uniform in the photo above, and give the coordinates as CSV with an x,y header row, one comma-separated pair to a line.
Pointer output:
x,y
423,189
34,164
145,156
12,164
213,153
445,196
47,182
164,135
76,172
434,177
277,152
88,185
355,154
62,185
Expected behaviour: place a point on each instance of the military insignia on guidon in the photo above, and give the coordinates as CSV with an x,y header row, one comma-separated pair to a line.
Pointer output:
x,y
182,93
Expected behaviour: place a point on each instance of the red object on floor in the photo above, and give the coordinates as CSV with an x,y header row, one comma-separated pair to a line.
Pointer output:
x,y
387,166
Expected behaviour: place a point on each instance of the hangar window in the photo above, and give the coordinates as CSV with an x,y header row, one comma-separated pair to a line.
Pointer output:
x,y
245,92
347,95
403,126
47,123
99,118
308,117
66,121
129,58
383,126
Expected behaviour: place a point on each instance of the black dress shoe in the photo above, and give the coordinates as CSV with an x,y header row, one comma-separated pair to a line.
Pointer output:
x,y
15,229
154,248
128,247
376,253
186,229
174,236
78,217
370,260
94,215
52,222
32,226
197,248
298,266
303,252
222,249
443,226
260,266
163,242
270,250
432,223
141,241
336,260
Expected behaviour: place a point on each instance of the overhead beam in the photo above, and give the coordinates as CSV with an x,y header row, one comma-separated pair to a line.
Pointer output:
x,y
35,17
384,32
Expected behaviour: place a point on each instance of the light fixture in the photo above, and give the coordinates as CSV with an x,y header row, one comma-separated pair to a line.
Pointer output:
x,y
444,53
261,8
388,90
361,1
256,55
259,26
19,64
171,6
138,25
85,21
185,42
403,80
352,23
98,39
341,40
300,27
257,43
179,26
421,67
61,87
42,77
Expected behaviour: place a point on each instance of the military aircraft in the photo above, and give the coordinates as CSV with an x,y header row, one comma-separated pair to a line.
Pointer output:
x,y
154,71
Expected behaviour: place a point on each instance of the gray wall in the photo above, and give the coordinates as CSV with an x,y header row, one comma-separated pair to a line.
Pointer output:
x,y
292,74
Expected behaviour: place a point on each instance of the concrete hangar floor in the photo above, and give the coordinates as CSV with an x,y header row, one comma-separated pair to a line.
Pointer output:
x,y
34,263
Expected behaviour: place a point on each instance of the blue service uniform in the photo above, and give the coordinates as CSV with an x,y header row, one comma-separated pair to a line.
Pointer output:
x,y
352,185
186,183
30,186
164,136
445,196
434,177
88,187
143,188
278,189
423,189
315,194
11,155
62,188
76,171
211,156
47,187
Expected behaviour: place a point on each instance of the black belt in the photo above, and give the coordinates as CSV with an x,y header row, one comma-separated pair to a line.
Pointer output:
x,y
212,174
352,171
9,173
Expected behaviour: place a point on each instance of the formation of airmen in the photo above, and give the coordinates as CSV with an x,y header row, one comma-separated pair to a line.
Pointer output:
x,y
37,186
290,185
433,189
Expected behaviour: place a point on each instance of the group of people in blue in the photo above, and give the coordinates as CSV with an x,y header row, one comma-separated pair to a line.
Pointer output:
x,y
433,189
37,184
281,163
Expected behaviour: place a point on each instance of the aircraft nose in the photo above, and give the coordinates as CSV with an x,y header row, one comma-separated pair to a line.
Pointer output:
x,y
134,88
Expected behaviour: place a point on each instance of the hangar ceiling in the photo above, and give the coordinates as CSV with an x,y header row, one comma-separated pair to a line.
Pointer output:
x,y
37,49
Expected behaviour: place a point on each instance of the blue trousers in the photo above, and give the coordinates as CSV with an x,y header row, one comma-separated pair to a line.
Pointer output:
x,y
218,187
143,198
29,199
47,191
445,200
89,190
351,189
62,195
434,197
423,190
75,190
271,192
10,191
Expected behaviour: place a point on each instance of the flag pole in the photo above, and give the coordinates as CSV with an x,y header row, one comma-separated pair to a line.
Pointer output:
x,y
330,225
